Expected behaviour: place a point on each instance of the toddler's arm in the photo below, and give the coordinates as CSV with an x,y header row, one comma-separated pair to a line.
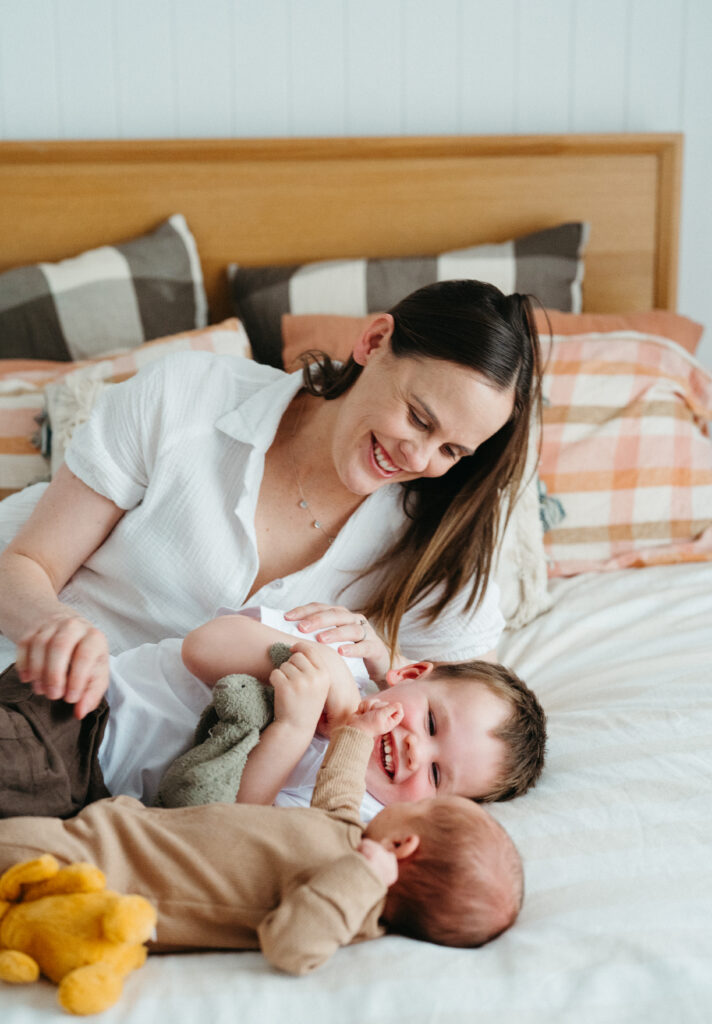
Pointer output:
x,y
236,643
301,685
231,643
299,695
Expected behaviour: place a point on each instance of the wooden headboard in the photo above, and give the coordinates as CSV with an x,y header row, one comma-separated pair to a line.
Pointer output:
x,y
290,200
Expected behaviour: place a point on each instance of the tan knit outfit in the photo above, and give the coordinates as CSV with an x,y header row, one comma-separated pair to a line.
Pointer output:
x,y
233,876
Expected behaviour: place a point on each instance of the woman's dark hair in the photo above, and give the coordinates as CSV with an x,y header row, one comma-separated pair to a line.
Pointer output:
x,y
453,520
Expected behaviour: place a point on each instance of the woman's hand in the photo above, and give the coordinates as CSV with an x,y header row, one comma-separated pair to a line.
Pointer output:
x,y
383,862
352,631
67,658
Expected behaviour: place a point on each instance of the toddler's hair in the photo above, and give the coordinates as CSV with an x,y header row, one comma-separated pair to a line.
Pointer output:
x,y
523,732
464,883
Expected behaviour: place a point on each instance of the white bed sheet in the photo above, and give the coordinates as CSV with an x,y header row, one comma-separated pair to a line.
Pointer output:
x,y
616,839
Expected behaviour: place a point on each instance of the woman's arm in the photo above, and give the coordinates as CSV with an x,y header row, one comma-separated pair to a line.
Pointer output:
x,y
59,652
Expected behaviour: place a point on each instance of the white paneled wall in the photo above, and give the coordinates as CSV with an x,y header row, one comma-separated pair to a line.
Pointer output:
x,y
153,68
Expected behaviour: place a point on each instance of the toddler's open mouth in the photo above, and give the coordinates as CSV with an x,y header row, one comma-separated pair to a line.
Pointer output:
x,y
388,755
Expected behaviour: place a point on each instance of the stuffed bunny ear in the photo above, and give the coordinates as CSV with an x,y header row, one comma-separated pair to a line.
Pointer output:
x,y
279,652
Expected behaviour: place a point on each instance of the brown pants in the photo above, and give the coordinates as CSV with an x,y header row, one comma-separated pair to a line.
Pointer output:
x,y
49,763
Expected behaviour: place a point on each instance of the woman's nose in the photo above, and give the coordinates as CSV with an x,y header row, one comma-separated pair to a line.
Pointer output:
x,y
416,454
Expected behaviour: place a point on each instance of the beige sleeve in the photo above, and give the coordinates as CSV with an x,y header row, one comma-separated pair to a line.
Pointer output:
x,y
339,904
341,781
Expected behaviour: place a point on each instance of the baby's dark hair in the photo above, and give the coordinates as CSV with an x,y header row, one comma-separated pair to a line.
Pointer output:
x,y
464,883
523,733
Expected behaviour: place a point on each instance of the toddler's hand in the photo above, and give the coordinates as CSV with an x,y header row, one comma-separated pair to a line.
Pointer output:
x,y
375,716
342,695
382,861
300,688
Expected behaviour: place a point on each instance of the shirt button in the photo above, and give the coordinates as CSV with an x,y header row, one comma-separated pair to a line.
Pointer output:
x,y
278,584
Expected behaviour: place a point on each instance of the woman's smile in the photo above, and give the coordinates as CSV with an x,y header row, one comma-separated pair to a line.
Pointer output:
x,y
380,457
406,418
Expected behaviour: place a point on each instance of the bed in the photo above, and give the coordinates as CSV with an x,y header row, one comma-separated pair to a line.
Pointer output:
x,y
609,610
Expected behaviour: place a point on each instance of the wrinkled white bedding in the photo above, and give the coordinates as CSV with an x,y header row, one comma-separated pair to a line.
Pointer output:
x,y
616,839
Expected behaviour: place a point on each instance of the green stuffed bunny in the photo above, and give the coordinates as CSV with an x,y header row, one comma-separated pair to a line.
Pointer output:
x,y
227,731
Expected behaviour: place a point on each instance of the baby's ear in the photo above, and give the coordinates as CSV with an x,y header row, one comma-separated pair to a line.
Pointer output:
x,y
408,673
406,846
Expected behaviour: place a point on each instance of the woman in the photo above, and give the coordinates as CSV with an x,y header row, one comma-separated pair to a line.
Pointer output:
x,y
206,481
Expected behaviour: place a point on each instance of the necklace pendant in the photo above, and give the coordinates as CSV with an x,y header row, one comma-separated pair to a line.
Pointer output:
x,y
303,504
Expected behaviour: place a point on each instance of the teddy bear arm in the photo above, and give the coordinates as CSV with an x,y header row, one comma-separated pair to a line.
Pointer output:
x,y
19,875
73,878
129,919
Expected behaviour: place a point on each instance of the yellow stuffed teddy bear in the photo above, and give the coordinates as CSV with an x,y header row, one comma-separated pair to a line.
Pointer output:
x,y
64,923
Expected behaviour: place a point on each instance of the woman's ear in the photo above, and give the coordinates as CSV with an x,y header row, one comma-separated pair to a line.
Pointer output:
x,y
407,673
375,337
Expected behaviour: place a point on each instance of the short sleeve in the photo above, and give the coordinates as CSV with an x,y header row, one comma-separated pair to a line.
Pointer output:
x,y
457,634
114,450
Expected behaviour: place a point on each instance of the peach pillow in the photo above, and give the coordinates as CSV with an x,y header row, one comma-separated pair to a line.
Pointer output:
x,y
26,384
659,322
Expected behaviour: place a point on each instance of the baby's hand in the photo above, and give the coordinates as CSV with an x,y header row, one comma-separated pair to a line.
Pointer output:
x,y
376,717
382,862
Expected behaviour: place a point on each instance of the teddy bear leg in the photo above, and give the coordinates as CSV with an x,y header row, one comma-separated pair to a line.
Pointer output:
x,y
90,989
18,968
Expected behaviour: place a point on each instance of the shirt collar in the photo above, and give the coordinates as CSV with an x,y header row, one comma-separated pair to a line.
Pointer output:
x,y
256,419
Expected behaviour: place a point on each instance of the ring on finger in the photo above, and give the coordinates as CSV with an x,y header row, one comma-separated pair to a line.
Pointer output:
x,y
362,624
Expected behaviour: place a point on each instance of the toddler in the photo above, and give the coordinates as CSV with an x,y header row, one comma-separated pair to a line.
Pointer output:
x,y
469,728
298,882
472,729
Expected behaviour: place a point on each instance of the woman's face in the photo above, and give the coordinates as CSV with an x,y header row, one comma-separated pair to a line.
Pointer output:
x,y
409,417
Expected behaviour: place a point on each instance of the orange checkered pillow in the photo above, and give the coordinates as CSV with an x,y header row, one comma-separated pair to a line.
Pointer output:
x,y
626,451
26,383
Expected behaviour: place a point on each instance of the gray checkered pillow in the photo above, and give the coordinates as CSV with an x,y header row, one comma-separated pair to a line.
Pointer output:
x,y
547,264
105,299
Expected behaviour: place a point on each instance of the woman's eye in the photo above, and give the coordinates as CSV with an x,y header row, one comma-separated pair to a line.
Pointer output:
x,y
450,452
436,775
416,420
431,723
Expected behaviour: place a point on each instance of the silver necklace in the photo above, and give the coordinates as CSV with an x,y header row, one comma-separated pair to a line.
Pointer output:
x,y
303,503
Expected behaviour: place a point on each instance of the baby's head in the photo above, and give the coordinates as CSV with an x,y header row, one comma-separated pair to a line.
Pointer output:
x,y
460,879
472,728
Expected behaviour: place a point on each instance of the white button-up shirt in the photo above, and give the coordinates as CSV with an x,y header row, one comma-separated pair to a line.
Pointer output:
x,y
181,447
